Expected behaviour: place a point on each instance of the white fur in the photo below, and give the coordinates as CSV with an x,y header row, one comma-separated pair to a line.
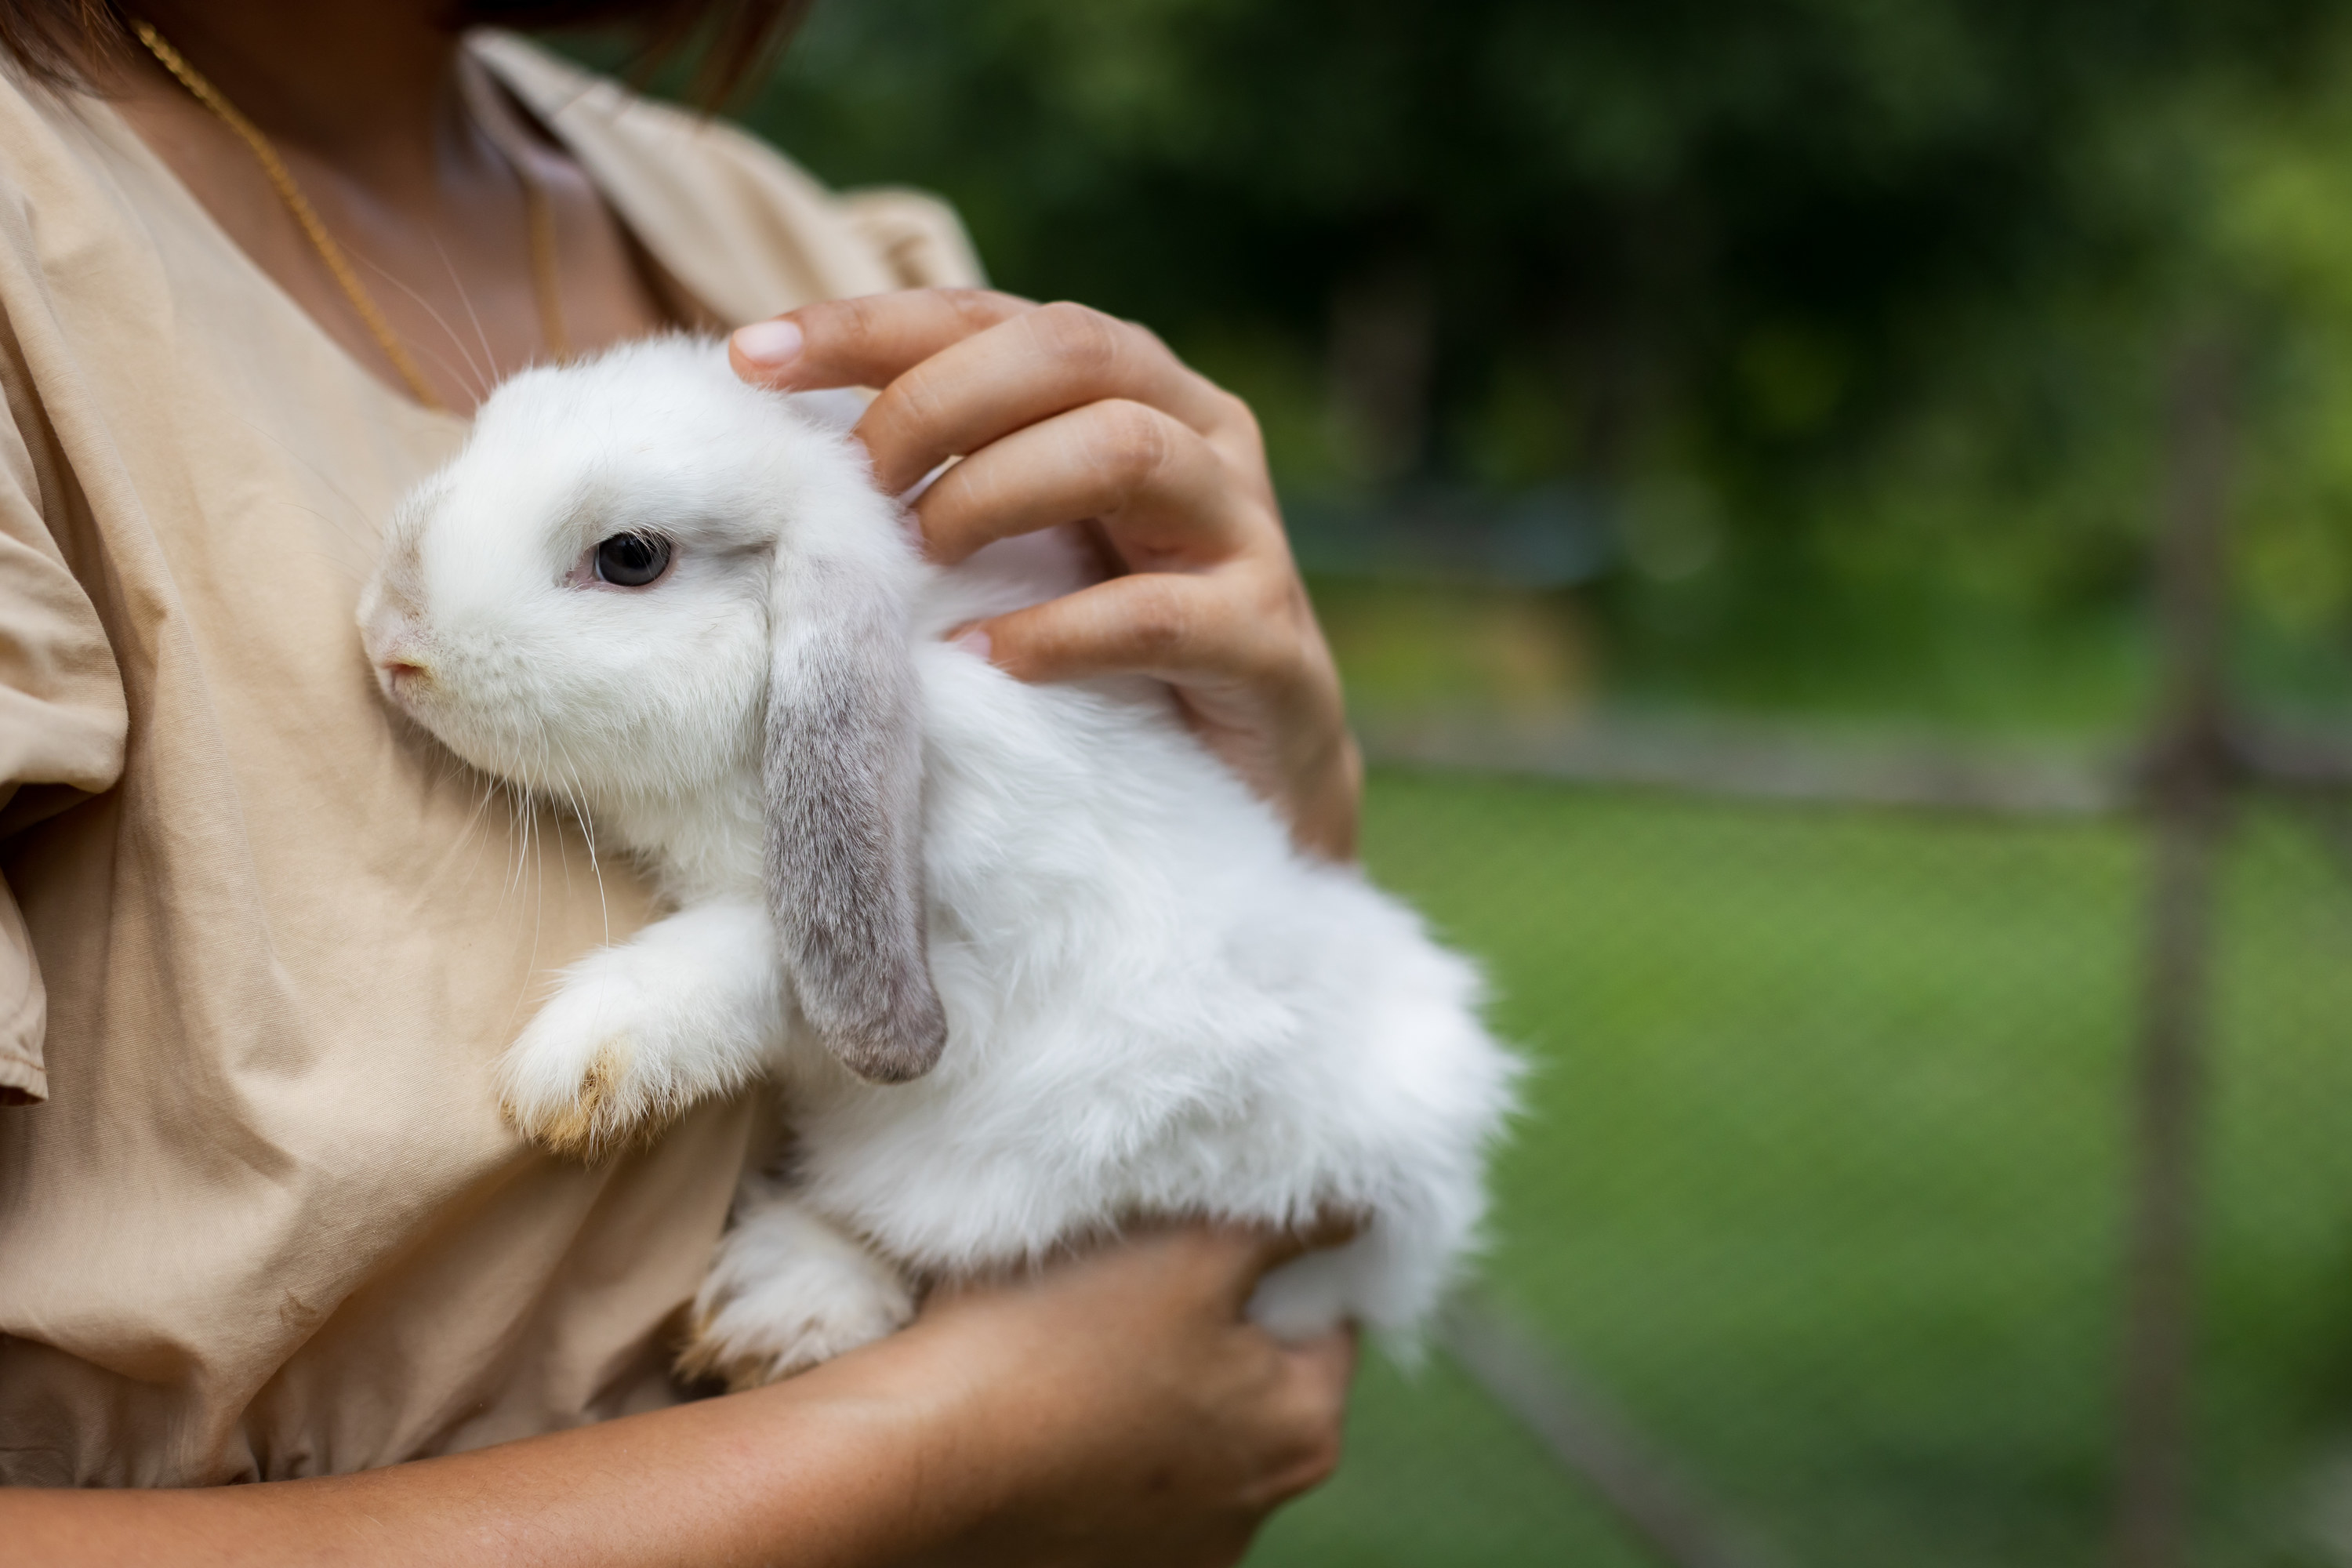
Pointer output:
x,y
1155,1004
789,1291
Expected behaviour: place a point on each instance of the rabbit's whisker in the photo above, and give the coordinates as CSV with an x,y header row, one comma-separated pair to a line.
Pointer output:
x,y
490,356
473,373
588,832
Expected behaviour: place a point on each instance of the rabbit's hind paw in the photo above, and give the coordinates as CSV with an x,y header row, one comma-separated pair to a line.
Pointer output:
x,y
788,1291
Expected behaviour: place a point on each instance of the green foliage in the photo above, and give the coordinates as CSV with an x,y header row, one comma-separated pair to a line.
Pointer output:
x,y
2279,236
1851,319
1836,304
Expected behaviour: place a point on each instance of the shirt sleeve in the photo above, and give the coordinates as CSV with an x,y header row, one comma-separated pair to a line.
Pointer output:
x,y
62,725
918,235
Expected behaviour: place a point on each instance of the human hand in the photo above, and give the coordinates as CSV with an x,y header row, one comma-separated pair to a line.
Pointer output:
x,y
1118,1411
1060,415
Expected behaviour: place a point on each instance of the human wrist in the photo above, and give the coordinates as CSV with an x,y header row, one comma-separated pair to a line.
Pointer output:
x,y
958,1426
893,1429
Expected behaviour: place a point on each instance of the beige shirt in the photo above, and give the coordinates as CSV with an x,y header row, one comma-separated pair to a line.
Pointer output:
x,y
263,1219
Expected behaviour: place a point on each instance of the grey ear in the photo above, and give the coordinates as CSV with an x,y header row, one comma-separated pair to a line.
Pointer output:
x,y
844,785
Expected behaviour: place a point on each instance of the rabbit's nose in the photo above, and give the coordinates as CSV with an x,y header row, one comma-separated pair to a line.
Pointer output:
x,y
400,662
402,673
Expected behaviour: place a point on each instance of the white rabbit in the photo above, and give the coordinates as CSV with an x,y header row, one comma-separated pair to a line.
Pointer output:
x,y
1025,961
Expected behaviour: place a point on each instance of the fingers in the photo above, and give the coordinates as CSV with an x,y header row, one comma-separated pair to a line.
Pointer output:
x,y
1312,1399
1182,627
1333,1228
1237,1256
1327,1362
1031,366
870,341
960,367
1151,481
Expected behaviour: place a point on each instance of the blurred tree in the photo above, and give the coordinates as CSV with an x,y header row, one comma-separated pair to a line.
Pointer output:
x,y
1832,301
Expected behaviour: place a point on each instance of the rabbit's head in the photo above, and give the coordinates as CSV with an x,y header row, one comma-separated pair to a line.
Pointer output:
x,y
642,580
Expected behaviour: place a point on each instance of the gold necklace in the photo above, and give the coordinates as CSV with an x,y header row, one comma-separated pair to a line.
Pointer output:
x,y
539,219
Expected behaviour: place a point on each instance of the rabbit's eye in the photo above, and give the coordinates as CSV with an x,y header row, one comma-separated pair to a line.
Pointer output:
x,y
632,560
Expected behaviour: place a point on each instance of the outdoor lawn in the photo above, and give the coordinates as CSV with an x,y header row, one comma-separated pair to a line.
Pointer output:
x,y
1820,1179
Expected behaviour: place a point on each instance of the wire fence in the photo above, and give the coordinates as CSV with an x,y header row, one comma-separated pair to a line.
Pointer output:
x,y
1935,1156
1816,1246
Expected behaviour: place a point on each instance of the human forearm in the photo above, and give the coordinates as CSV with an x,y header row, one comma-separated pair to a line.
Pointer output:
x,y
822,1470
1114,1409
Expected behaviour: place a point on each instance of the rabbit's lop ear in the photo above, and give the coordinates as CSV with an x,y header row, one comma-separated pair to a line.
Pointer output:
x,y
844,786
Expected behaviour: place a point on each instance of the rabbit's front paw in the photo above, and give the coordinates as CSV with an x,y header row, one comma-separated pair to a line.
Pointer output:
x,y
789,1291
582,1080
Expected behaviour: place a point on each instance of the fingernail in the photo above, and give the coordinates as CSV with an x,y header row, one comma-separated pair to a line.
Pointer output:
x,y
974,641
770,345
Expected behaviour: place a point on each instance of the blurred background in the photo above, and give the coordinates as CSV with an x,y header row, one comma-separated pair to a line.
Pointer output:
x,y
1837,521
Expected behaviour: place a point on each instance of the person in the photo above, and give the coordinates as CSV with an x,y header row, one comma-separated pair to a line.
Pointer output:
x,y
259,1218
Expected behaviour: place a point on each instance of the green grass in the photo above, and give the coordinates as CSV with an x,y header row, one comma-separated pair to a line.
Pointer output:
x,y
1820,1178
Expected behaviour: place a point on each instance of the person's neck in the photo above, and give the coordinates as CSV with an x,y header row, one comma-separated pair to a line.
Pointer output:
x,y
370,86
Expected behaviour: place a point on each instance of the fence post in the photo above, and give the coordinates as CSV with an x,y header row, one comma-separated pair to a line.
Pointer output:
x,y
2188,781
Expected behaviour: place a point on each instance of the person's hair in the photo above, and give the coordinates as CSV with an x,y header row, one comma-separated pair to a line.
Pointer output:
x,y
731,41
